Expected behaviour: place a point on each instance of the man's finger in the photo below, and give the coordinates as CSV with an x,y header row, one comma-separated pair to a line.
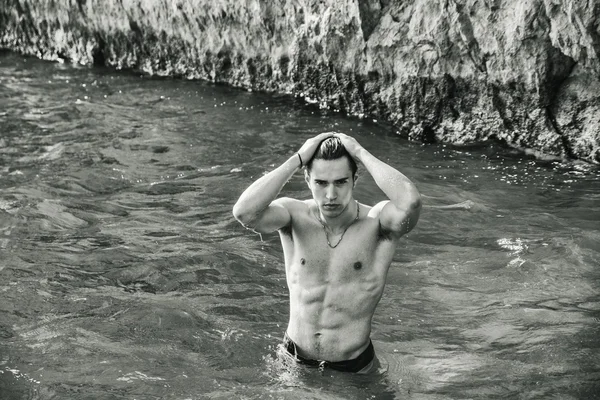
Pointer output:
x,y
326,135
322,136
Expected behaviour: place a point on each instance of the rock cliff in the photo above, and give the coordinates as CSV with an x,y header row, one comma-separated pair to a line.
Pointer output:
x,y
460,71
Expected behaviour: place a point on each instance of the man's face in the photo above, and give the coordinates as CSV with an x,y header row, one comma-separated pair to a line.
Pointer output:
x,y
331,183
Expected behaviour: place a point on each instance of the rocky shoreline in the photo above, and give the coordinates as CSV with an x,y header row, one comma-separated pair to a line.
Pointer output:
x,y
524,73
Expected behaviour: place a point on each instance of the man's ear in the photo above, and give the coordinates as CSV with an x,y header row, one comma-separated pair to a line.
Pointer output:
x,y
307,177
354,180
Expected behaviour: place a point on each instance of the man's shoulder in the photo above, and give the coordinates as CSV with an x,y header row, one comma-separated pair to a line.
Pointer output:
x,y
297,209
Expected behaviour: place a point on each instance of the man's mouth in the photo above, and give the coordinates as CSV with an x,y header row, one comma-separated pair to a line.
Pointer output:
x,y
330,206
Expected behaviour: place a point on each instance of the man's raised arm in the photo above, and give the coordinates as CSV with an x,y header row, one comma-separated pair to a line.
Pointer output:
x,y
401,213
257,208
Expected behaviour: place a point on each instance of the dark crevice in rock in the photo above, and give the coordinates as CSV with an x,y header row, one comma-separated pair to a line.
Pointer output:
x,y
557,66
558,70
568,151
593,30
499,105
135,28
370,13
284,63
98,53
466,29
81,4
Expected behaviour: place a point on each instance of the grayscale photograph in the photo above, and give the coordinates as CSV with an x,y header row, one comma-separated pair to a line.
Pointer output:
x,y
300,200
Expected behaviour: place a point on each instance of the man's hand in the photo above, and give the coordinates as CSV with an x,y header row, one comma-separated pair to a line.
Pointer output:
x,y
351,145
307,151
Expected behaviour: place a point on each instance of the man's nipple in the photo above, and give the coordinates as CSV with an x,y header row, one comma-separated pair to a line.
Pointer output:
x,y
357,265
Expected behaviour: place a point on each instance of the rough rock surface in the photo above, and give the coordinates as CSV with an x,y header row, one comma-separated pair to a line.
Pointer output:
x,y
460,71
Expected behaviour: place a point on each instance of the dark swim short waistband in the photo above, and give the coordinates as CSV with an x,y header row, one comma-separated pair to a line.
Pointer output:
x,y
353,365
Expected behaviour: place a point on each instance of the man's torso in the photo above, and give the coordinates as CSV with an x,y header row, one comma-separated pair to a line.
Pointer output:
x,y
334,291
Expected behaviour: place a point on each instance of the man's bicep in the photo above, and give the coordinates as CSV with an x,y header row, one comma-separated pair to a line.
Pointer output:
x,y
274,217
397,221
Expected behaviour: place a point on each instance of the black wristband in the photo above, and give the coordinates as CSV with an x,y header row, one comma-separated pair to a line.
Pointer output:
x,y
300,158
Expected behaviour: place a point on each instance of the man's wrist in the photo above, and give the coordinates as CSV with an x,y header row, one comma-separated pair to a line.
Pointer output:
x,y
360,154
294,161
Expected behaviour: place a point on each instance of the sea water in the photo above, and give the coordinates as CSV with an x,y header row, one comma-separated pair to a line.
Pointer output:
x,y
123,274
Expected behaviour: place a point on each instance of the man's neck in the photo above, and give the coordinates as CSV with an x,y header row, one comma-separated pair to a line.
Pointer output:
x,y
339,223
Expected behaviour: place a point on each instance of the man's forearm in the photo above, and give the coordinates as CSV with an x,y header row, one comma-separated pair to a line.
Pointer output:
x,y
396,186
264,190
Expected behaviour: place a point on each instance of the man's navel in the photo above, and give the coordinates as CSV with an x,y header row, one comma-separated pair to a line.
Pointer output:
x,y
302,261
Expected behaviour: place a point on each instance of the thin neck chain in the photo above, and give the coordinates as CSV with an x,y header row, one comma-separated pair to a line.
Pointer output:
x,y
341,237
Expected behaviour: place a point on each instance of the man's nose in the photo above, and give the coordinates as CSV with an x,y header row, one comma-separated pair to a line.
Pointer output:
x,y
331,195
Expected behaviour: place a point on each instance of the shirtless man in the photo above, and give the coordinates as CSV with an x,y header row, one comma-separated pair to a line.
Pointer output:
x,y
337,251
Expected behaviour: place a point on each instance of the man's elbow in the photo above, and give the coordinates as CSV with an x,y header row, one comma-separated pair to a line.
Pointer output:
x,y
412,202
416,204
413,212
242,215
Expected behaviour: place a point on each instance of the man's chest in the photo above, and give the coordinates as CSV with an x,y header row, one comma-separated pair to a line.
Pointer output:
x,y
358,254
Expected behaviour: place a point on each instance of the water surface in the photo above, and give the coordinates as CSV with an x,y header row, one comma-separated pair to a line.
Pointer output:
x,y
123,274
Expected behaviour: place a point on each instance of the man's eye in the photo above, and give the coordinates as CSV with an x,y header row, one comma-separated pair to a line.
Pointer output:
x,y
320,183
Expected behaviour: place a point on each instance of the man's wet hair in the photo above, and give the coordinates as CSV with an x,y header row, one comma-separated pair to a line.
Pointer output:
x,y
332,149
